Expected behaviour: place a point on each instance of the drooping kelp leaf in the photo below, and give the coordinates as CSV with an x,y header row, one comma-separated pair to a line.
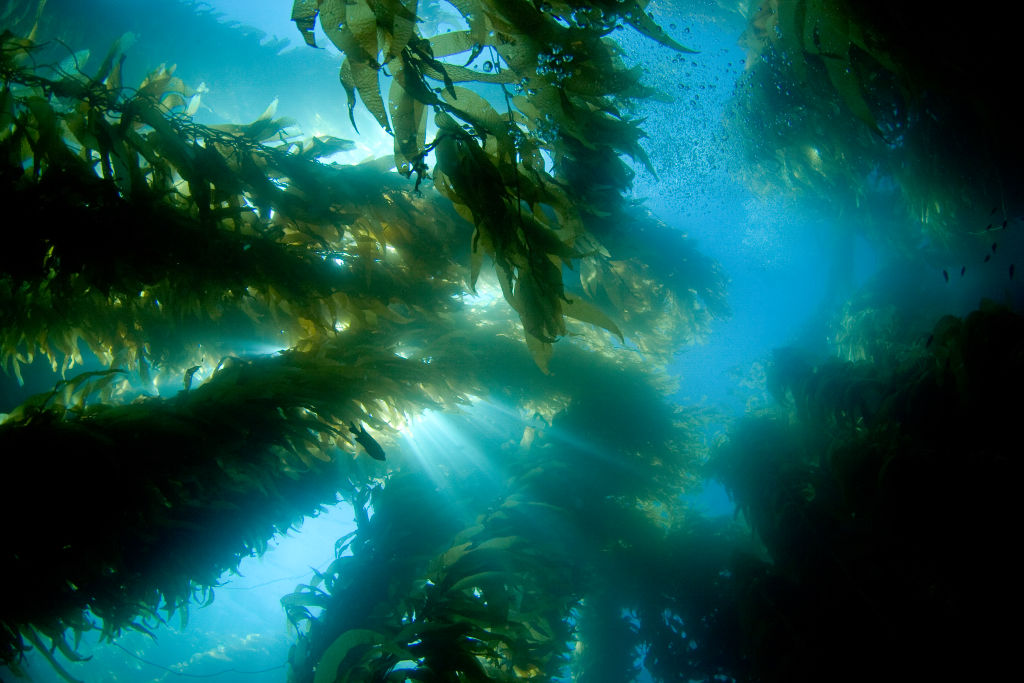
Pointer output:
x,y
524,250
304,14
364,80
563,73
409,117
360,641
580,309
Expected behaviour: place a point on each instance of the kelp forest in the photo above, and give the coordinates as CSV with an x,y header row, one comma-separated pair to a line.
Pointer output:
x,y
216,325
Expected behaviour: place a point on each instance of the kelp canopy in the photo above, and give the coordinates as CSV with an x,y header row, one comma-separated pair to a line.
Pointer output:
x,y
492,262
153,234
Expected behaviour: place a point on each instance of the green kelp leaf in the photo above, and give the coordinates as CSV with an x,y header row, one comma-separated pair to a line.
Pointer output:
x,y
481,580
540,351
583,310
537,296
477,110
120,45
32,636
264,128
305,599
403,26
474,15
829,36
348,83
453,73
335,23
498,543
362,22
401,9
848,85
334,656
304,15
365,78
642,22
476,259
452,43
320,146
409,117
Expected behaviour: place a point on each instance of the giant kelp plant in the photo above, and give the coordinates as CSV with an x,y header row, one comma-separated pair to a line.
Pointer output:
x,y
147,255
564,78
883,493
489,577
854,108
158,244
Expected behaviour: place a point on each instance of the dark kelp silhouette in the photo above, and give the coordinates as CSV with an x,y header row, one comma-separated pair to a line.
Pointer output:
x,y
883,496
152,235
145,245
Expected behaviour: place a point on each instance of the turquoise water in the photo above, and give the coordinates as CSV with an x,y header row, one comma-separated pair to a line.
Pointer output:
x,y
790,271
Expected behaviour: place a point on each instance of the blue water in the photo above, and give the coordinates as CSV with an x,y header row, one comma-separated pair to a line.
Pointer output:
x,y
766,257
779,264
242,635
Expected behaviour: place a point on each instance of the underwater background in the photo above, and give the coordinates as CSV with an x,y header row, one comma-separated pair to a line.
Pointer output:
x,y
486,340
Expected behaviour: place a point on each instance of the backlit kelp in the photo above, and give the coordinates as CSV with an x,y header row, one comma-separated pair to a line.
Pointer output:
x,y
150,245
521,568
884,500
559,79
152,219
468,341
167,494
260,210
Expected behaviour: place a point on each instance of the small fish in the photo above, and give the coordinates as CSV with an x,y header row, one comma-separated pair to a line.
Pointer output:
x,y
993,212
994,245
1011,271
988,257
928,343
1004,225
945,275
963,270
988,227
368,443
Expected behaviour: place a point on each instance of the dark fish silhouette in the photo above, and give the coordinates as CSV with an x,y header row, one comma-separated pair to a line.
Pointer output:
x,y
368,443
987,257
929,342
1011,271
945,275
994,245
963,270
